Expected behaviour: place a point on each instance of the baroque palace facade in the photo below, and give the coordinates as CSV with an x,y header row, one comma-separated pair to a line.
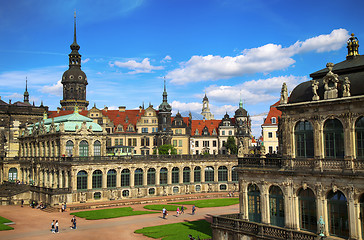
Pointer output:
x,y
316,189
76,155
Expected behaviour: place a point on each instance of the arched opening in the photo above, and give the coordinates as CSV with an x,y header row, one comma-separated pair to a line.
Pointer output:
x,y
125,178
197,174
304,139
163,176
186,175
276,205
254,203
81,180
307,208
209,174
13,175
83,149
138,177
151,176
97,148
359,138
338,214
175,175
222,174
334,139
97,179
111,178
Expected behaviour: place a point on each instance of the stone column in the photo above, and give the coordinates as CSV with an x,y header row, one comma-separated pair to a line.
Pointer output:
x,y
132,169
230,169
216,173
203,174
288,206
61,183
104,178
66,180
41,174
192,174
321,208
169,176
243,197
349,136
51,181
353,219
319,141
264,203
180,180
89,178
157,176
145,175
74,180
118,177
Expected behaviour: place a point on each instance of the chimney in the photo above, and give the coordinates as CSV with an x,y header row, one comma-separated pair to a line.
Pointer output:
x,y
122,108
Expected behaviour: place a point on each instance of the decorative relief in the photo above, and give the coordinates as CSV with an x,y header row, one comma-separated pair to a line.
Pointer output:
x,y
330,83
284,94
346,87
314,85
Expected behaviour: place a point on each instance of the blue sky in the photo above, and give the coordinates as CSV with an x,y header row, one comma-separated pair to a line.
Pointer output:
x,y
227,48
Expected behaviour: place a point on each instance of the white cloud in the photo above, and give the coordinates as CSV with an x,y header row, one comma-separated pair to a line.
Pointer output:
x,y
265,59
85,61
15,96
55,89
254,91
186,107
166,59
137,67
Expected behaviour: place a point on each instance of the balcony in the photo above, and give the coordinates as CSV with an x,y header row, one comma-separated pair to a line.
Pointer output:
x,y
237,227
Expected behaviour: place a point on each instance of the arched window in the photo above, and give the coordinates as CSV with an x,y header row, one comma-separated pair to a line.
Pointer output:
x,y
307,208
138,177
359,137
222,174
111,178
361,203
151,176
83,149
334,138
81,180
209,174
254,203
125,178
97,148
175,175
304,139
163,176
13,174
338,214
234,174
276,205
197,174
97,179
186,175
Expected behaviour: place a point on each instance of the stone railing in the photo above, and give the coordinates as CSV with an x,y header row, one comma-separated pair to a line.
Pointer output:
x,y
235,224
290,164
167,158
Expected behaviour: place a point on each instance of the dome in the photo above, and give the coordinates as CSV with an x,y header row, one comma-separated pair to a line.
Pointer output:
x,y
74,75
241,112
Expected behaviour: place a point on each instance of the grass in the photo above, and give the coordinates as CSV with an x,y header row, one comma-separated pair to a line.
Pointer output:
x,y
159,207
4,227
109,213
219,202
179,230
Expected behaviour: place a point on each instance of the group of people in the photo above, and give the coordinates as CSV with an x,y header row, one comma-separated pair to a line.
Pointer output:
x,y
34,204
179,211
231,194
63,208
55,225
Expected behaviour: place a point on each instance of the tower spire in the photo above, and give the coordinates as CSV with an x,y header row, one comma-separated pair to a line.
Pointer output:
x,y
74,31
26,94
165,91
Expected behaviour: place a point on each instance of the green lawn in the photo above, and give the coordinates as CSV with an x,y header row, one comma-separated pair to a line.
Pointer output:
x,y
159,207
179,230
109,213
4,227
219,202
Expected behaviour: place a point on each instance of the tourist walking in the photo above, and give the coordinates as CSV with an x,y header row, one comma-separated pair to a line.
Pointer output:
x,y
56,226
22,202
73,221
182,209
52,226
177,211
193,209
164,211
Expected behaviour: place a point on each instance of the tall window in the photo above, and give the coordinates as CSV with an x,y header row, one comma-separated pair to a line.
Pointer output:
x,y
97,148
125,178
222,174
359,135
254,203
304,139
111,178
234,174
81,180
197,174
175,175
276,205
97,179
209,174
186,175
151,176
163,176
83,148
334,139
338,214
138,177
13,174
307,208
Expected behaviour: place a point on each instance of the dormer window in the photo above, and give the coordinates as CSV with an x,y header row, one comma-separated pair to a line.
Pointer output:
x,y
196,132
273,119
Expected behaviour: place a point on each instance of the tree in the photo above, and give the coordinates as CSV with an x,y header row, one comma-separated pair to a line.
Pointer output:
x,y
164,149
231,145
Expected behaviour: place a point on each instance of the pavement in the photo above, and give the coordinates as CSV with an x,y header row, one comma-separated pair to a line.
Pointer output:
x,y
35,224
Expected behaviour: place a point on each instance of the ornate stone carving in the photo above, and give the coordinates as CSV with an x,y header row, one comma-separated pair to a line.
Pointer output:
x,y
330,83
314,90
284,94
346,87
